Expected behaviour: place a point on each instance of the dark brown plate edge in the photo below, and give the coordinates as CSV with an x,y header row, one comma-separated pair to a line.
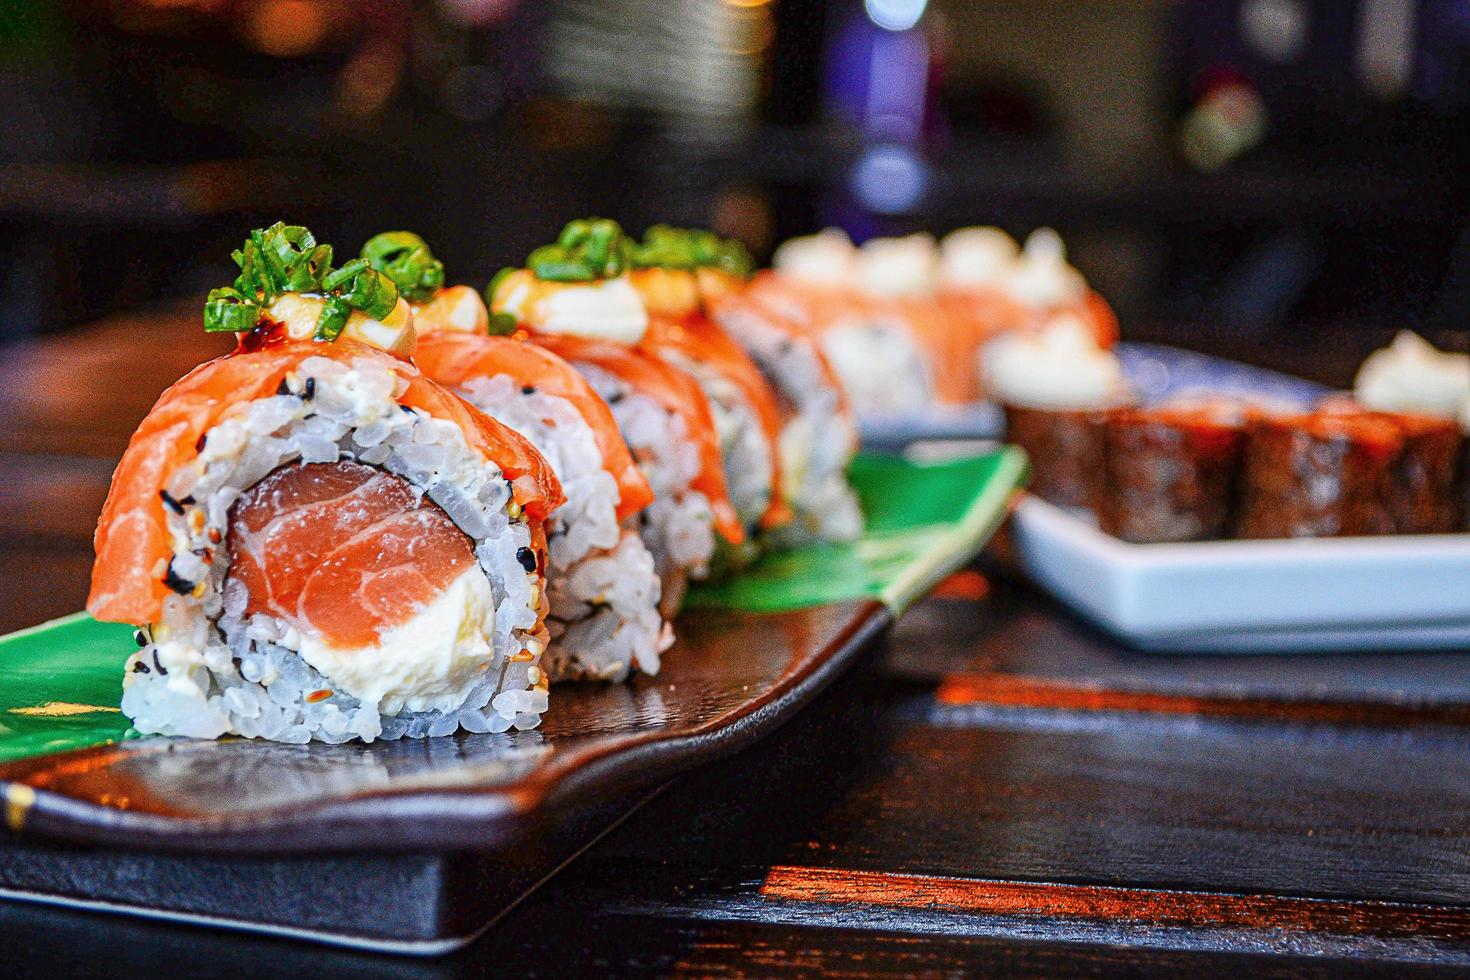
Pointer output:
x,y
449,818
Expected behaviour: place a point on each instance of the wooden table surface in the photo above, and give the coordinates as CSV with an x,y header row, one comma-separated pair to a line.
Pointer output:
x,y
1001,789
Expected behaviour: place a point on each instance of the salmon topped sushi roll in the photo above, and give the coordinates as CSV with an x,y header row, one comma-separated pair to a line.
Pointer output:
x,y
745,407
589,284
1002,287
317,541
584,308
672,434
816,436
821,283
604,591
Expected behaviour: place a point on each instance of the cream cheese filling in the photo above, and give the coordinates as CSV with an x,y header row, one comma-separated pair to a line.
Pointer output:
x,y
426,663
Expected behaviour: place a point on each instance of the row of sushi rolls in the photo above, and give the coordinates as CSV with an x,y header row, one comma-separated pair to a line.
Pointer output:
x,y
402,507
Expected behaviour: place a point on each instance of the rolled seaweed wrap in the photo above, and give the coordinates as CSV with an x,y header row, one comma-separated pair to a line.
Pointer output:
x,y
1424,498
1172,471
317,541
1318,474
1057,387
1423,485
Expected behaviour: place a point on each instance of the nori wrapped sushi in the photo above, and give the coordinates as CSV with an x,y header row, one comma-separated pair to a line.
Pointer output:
x,y
1319,474
1423,497
1067,452
1422,482
1172,471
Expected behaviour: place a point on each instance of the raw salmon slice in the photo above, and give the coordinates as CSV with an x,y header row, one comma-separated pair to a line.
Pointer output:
x,y
342,551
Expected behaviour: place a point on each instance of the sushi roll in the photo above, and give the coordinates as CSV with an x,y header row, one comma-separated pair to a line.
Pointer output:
x,y
743,404
1423,496
1172,471
880,361
974,267
1042,285
1056,387
1411,378
898,279
675,331
817,435
576,300
1318,474
316,540
1423,489
604,619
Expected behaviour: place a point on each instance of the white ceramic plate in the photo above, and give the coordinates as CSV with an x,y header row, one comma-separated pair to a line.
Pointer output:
x,y
1330,594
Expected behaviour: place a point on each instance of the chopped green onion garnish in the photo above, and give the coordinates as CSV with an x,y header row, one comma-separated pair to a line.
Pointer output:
x,y
404,258
667,247
586,250
335,313
226,311
502,325
288,259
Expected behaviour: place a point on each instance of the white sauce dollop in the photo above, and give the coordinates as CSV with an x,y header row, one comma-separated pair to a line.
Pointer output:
x,y
894,268
824,259
428,662
976,258
609,309
1041,276
1059,367
1410,375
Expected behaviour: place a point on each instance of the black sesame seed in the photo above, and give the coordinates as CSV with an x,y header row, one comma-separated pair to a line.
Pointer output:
x,y
283,388
141,668
236,662
140,638
527,558
405,408
528,389
187,501
199,444
310,391
614,398
161,670
177,582
177,506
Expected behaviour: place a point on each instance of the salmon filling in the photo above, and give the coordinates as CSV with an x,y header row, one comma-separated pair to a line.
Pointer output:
x,y
342,552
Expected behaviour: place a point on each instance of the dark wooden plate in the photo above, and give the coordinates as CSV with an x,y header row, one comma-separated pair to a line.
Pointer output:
x,y
732,677
446,831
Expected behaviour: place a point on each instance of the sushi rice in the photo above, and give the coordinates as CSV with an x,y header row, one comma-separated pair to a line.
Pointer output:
x,y
746,451
604,591
678,527
817,439
207,670
880,363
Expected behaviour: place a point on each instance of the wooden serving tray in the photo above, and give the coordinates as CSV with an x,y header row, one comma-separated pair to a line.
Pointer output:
x,y
414,846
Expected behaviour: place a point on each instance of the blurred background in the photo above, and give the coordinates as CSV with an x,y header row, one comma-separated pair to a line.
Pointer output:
x,y
1235,175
